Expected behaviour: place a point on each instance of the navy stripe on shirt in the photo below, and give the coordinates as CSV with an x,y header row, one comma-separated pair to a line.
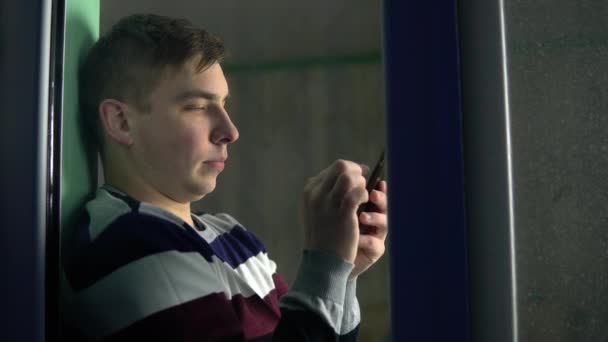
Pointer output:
x,y
236,246
130,237
136,235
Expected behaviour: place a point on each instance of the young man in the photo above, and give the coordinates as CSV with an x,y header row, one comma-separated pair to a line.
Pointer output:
x,y
142,265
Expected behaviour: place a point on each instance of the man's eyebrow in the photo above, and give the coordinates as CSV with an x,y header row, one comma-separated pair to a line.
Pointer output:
x,y
199,93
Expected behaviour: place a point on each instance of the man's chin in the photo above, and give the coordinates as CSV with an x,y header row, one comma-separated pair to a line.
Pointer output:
x,y
200,190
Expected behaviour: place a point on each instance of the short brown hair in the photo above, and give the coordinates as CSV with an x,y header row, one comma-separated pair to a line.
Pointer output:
x,y
127,62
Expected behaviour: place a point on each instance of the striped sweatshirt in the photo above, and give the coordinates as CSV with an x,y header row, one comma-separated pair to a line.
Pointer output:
x,y
135,272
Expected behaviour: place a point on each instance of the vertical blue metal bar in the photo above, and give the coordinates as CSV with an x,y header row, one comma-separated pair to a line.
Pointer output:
x,y
24,85
425,172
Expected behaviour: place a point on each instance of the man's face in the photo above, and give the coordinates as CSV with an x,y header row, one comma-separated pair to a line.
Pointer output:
x,y
180,146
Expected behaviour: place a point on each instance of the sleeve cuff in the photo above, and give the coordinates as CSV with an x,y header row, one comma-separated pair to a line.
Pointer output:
x,y
320,287
352,312
323,274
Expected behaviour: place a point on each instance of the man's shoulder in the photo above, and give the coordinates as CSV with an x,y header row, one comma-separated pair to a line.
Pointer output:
x,y
110,217
112,232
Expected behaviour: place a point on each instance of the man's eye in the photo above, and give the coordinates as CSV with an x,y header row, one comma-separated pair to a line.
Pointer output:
x,y
195,108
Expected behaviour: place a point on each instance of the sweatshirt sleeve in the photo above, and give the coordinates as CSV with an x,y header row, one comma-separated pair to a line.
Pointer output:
x,y
321,305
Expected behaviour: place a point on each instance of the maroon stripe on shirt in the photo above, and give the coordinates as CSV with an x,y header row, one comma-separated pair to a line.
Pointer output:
x,y
211,317
260,317
280,284
257,317
272,298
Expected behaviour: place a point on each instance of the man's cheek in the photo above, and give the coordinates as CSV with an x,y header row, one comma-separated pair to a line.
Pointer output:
x,y
190,145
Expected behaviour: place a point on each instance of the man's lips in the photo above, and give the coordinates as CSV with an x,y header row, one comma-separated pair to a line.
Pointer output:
x,y
217,164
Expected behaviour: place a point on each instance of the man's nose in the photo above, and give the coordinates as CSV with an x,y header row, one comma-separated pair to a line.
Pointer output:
x,y
225,132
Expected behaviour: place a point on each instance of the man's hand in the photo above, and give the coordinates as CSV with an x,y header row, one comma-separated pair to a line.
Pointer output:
x,y
329,211
374,228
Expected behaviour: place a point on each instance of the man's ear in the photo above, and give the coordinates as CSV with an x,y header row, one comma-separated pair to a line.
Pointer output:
x,y
115,121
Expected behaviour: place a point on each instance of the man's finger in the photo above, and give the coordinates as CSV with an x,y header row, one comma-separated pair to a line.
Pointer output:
x,y
382,186
377,220
378,198
364,169
323,182
353,198
338,168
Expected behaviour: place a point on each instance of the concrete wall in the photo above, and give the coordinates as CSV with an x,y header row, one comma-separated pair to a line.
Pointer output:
x,y
307,88
558,75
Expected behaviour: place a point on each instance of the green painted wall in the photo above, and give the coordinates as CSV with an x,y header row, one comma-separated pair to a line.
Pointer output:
x,y
78,161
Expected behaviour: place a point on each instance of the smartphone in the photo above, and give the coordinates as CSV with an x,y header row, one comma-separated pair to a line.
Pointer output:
x,y
372,182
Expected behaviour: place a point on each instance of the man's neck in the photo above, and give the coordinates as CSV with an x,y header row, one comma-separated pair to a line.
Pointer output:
x,y
145,193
